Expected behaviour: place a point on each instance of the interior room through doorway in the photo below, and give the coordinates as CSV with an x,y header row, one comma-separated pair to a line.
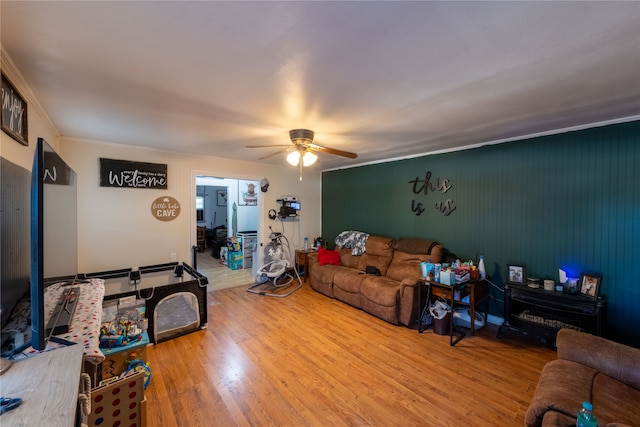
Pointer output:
x,y
226,210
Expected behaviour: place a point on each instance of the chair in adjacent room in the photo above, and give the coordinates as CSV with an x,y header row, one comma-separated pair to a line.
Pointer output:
x,y
201,241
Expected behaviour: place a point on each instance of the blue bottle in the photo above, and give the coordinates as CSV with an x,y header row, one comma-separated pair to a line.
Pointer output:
x,y
585,416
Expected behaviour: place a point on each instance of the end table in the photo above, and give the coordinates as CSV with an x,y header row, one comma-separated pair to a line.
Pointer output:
x,y
303,261
477,290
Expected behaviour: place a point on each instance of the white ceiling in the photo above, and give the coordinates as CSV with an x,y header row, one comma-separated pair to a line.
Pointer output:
x,y
382,79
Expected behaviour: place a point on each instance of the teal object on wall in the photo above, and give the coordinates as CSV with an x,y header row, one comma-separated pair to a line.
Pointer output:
x,y
570,200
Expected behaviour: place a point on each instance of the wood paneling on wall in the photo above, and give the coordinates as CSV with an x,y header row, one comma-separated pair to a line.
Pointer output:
x,y
567,201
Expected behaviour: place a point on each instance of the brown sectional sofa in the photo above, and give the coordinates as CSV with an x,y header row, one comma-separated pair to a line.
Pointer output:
x,y
592,369
392,296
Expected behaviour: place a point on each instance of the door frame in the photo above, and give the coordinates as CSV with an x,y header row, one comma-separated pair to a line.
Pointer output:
x,y
258,258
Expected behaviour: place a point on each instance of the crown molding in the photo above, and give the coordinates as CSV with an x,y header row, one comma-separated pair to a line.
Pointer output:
x,y
10,70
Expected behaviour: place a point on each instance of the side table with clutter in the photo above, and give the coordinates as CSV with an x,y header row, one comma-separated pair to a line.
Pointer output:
x,y
462,285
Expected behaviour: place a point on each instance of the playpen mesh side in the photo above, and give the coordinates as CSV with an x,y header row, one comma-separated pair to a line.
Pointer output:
x,y
176,314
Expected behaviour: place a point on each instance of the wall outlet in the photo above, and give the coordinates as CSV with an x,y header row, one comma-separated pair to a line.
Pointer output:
x,y
174,257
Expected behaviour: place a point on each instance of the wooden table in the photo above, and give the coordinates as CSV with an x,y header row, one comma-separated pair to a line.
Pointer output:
x,y
477,290
303,261
48,385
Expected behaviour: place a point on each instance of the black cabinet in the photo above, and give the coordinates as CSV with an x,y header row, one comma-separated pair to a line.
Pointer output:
x,y
542,313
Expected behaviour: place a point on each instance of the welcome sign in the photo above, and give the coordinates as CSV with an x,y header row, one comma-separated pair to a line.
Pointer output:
x,y
129,174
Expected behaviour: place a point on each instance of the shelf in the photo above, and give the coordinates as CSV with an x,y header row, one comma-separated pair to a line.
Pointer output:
x,y
249,239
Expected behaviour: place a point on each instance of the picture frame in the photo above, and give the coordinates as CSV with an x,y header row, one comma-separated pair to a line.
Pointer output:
x,y
14,113
221,197
590,285
516,274
248,192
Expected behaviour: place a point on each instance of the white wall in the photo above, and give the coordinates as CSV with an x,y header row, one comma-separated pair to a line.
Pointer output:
x,y
117,230
38,124
115,225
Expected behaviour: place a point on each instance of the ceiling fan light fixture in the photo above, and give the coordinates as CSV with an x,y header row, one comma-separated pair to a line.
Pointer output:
x,y
293,158
301,135
309,158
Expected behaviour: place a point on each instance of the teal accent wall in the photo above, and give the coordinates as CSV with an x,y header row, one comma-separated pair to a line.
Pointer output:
x,y
570,201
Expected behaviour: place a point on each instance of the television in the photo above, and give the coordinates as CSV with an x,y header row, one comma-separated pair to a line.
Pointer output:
x,y
54,242
294,205
14,242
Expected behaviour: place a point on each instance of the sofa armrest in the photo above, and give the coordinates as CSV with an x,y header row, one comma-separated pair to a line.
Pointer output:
x,y
613,359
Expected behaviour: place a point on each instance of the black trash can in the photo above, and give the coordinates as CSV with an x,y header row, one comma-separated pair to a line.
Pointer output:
x,y
441,326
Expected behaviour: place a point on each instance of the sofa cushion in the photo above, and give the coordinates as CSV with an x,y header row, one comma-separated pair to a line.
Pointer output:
x,y
379,245
553,418
346,286
326,257
415,245
613,359
348,280
380,289
615,402
562,387
326,273
379,252
379,296
405,266
348,259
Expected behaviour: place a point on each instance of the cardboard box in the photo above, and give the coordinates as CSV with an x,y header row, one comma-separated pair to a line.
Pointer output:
x,y
234,260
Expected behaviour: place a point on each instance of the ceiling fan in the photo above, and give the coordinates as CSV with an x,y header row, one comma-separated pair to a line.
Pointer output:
x,y
301,150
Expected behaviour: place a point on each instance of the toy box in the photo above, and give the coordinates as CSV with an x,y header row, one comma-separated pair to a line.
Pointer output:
x,y
118,358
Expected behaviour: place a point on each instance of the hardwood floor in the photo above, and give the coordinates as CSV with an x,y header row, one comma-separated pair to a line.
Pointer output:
x,y
308,360
220,276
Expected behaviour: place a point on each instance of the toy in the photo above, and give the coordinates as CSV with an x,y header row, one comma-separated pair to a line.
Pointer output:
x,y
120,332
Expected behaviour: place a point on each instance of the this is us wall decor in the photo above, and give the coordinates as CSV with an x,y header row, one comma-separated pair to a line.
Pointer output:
x,y
422,187
129,174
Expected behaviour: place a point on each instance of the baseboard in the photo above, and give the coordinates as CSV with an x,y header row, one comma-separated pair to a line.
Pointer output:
x,y
495,320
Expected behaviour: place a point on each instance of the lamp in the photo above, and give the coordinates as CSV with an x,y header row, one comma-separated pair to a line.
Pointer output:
x,y
302,156
309,158
293,158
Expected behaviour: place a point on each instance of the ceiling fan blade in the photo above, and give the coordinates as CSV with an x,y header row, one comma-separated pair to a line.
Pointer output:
x,y
268,156
320,148
268,145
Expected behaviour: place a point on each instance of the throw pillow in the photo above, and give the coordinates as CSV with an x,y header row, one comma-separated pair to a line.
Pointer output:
x,y
326,256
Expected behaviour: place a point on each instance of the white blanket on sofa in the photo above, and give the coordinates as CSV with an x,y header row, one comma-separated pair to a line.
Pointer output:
x,y
354,240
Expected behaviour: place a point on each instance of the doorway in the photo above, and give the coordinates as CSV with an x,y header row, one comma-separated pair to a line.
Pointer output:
x,y
226,210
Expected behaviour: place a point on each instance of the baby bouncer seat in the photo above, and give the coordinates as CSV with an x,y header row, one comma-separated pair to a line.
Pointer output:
x,y
276,278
